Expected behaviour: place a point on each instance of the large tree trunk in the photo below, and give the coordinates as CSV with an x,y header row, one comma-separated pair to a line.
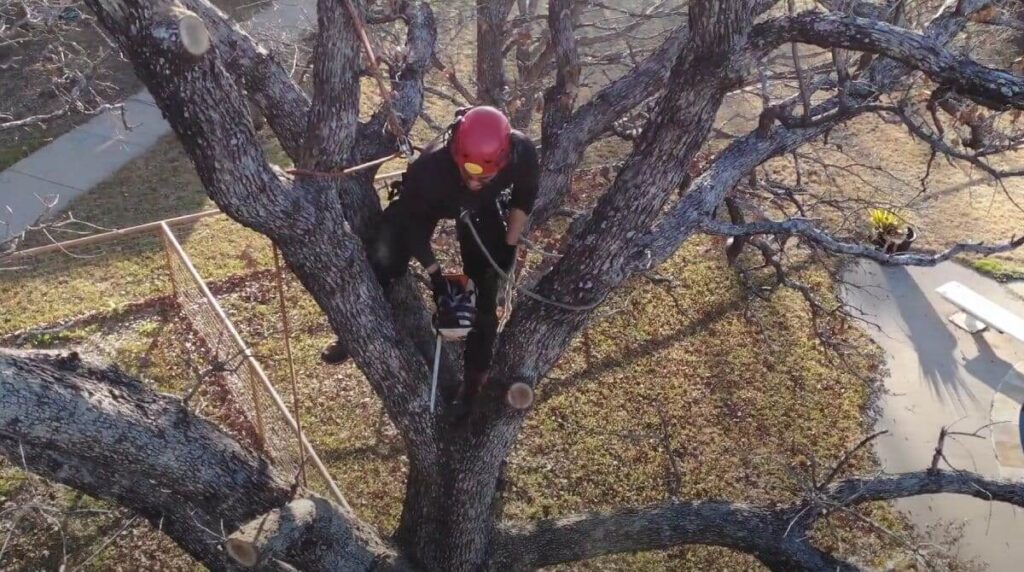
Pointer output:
x,y
448,518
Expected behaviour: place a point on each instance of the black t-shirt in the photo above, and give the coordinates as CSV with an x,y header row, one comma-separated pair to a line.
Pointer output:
x,y
432,189
433,186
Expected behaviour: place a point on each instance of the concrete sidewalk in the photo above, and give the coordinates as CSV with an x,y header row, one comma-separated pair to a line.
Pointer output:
x,y
91,153
943,376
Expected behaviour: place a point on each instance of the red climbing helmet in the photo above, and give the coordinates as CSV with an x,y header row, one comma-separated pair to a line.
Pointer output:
x,y
480,143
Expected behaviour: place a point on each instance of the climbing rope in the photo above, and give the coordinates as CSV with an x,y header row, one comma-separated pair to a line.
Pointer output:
x,y
291,364
476,236
404,145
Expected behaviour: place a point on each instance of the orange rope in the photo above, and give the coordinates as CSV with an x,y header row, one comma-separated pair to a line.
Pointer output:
x,y
291,365
392,119
345,172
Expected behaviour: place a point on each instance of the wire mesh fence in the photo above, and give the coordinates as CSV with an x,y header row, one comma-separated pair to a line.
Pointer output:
x,y
253,409
58,286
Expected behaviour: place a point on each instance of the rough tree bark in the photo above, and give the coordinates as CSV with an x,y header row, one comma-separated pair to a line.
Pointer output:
x,y
448,521
92,427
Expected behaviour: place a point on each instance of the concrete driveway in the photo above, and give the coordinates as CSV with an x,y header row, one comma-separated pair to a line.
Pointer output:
x,y
941,375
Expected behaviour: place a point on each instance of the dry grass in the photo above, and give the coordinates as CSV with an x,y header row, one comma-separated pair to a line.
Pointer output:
x,y
673,374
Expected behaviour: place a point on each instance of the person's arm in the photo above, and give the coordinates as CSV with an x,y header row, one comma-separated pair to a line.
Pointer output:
x,y
421,227
516,223
420,233
524,189
422,230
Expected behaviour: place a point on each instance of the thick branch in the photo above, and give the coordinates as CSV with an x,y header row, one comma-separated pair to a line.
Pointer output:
x,y
564,150
281,101
561,97
318,229
989,86
94,428
204,107
594,263
607,106
407,95
331,127
490,41
775,535
822,239
889,487
757,531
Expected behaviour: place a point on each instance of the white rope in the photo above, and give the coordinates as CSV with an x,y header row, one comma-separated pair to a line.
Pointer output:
x,y
437,365
572,308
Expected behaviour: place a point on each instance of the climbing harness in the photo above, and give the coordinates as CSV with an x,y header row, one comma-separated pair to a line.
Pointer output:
x,y
453,320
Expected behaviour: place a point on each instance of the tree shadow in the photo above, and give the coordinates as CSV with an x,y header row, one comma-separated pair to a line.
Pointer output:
x,y
928,332
987,367
634,353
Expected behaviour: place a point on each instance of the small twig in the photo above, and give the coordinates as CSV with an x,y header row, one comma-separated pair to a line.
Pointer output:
x,y
846,458
107,542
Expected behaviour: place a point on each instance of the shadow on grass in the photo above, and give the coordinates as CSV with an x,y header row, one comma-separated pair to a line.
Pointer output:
x,y
632,354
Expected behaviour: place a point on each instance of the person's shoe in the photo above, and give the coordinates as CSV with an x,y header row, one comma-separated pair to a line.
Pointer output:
x,y
334,353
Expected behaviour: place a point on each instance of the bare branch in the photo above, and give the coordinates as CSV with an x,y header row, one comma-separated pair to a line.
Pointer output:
x,y
819,238
749,151
990,87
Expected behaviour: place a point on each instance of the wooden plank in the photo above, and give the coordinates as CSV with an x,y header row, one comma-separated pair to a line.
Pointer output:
x,y
984,310
112,235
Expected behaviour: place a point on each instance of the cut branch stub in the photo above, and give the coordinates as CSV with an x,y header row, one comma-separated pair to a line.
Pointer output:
x,y
312,534
192,31
182,30
520,395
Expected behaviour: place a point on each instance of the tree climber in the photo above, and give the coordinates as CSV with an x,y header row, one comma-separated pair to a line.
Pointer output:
x,y
481,169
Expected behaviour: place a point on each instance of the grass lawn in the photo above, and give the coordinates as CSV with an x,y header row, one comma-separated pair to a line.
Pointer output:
x,y
673,393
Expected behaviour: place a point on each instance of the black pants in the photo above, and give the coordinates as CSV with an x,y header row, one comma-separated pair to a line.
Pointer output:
x,y
393,247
